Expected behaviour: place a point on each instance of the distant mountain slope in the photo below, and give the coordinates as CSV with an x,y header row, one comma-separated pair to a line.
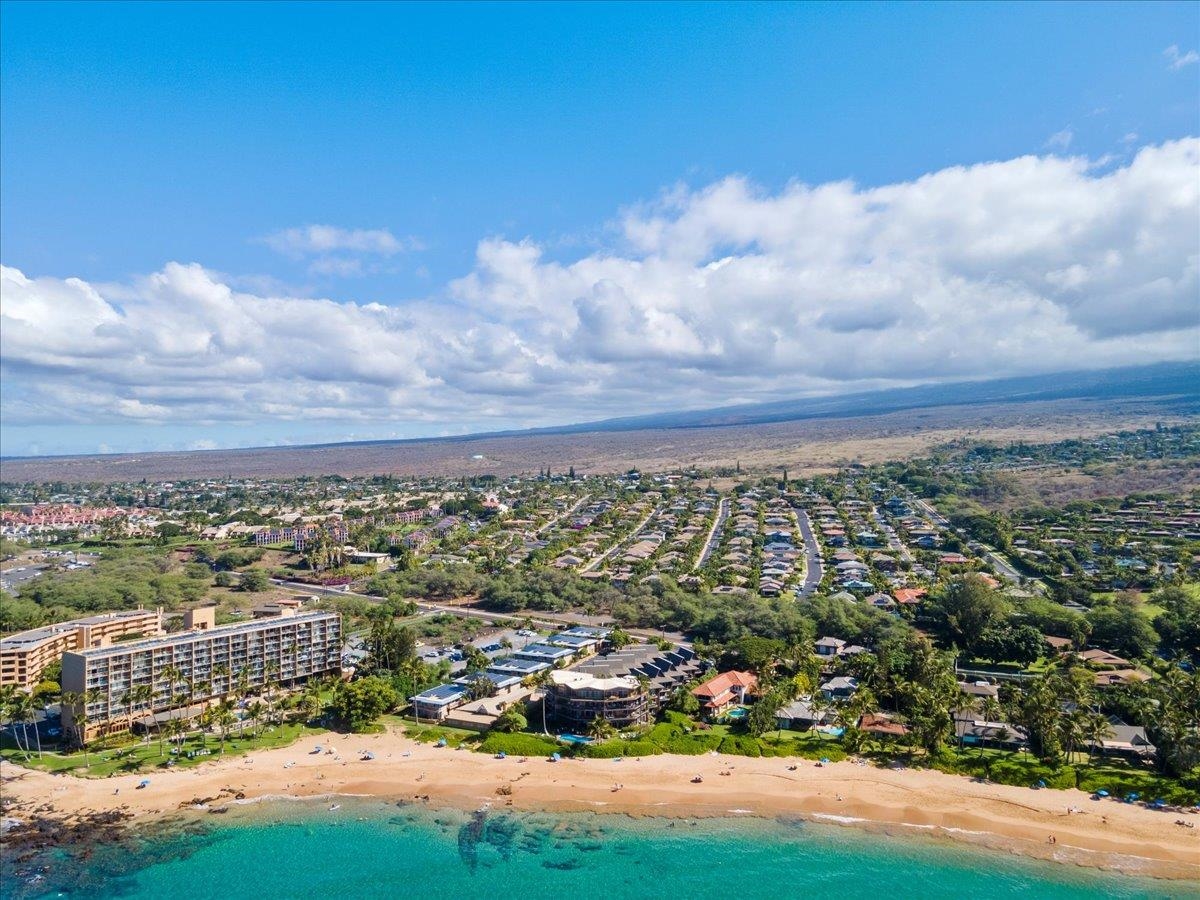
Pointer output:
x,y
1161,380
816,434
1170,379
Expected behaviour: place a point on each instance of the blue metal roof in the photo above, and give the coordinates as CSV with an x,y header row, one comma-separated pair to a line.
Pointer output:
x,y
443,693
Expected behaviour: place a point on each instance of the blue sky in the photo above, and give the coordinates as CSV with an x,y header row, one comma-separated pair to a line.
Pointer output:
x,y
419,139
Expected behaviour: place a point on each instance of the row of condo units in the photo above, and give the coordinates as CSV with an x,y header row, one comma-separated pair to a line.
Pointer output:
x,y
586,679
508,673
141,681
25,655
624,687
59,515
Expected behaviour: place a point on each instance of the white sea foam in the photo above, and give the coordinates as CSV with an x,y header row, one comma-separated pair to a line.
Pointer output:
x,y
844,820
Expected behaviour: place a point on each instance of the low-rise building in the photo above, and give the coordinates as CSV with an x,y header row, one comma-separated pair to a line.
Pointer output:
x,y
801,715
720,694
436,703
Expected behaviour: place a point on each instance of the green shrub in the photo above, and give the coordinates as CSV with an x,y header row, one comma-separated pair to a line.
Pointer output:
x,y
613,749
519,744
600,750
695,744
808,749
677,718
740,745
642,748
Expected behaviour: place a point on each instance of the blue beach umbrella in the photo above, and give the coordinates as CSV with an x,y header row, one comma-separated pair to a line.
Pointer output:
x,y
1102,793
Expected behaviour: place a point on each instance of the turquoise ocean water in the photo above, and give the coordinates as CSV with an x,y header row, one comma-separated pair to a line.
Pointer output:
x,y
370,849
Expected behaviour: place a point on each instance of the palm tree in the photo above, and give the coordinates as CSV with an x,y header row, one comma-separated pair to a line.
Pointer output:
x,y
174,730
66,700
221,671
127,701
81,724
7,695
173,677
30,718
143,696
819,706
255,711
224,718
20,707
1095,728
207,717
600,728
1071,730
990,709
272,682
243,691
169,695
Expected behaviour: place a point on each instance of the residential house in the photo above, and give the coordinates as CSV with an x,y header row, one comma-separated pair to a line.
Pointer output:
x,y
801,715
840,688
720,694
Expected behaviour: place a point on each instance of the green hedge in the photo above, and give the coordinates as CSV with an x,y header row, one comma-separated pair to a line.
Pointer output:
x,y
613,749
519,744
740,745
804,748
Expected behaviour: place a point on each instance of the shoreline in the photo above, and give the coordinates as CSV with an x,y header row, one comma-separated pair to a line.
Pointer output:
x,y
1105,834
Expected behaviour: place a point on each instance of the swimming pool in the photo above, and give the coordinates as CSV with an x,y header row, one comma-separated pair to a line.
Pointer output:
x,y
574,739
739,712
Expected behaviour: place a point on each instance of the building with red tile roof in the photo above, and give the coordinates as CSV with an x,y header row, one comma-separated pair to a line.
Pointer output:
x,y
718,695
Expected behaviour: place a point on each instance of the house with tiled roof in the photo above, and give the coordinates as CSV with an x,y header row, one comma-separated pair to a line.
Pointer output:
x,y
909,596
883,725
729,689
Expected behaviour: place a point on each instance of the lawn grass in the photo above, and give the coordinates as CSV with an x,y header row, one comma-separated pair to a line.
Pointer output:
x,y
427,733
132,755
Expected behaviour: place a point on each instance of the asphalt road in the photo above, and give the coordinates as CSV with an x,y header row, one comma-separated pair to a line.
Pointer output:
x,y
815,571
12,579
541,619
714,534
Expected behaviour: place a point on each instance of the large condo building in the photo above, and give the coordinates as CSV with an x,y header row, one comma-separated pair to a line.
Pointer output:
x,y
25,655
624,687
206,663
574,699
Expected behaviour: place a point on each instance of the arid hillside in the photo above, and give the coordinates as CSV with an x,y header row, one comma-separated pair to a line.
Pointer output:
x,y
806,446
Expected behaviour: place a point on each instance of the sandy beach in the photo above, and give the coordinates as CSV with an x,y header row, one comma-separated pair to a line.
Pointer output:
x,y
1102,834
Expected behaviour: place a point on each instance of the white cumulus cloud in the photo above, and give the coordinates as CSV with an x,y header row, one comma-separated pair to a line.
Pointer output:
x,y
721,294
340,252
1176,59
322,239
